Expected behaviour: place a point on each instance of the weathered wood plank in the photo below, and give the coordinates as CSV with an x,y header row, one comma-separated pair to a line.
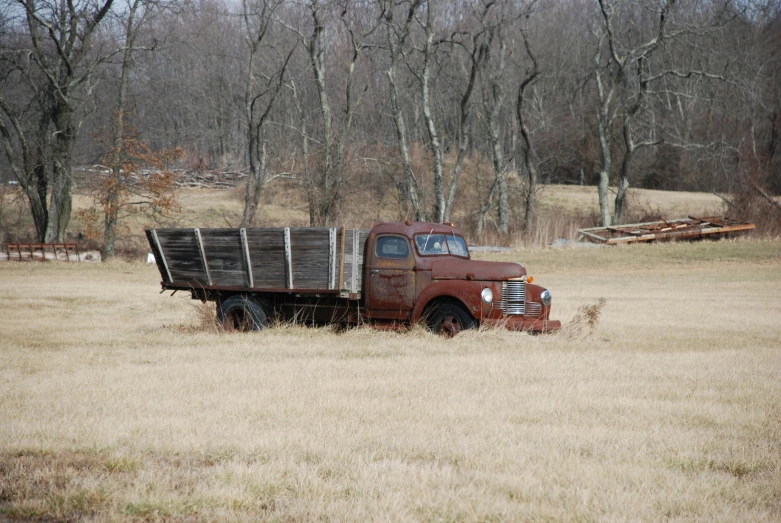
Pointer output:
x,y
225,256
204,259
332,258
355,247
294,258
157,251
340,255
182,255
309,247
267,251
247,261
288,260
354,262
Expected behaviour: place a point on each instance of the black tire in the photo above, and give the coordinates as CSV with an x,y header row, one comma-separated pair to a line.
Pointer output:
x,y
449,319
242,314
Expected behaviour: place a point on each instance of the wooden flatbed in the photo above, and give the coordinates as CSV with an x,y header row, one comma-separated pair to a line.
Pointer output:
x,y
286,259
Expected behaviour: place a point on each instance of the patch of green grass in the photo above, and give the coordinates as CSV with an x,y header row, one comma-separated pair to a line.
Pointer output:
x,y
148,510
689,465
735,467
123,464
739,467
83,502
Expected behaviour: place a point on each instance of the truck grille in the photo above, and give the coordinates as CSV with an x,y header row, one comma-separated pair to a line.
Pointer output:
x,y
514,297
533,310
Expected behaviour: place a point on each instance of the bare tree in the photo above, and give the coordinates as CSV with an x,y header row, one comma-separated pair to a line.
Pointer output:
x,y
493,62
397,41
527,145
326,183
431,126
26,159
61,35
443,73
622,58
468,41
138,12
259,97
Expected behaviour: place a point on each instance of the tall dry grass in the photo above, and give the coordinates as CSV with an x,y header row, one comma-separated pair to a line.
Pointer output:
x,y
116,405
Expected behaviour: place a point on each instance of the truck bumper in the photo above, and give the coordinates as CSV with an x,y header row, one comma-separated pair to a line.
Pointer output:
x,y
519,323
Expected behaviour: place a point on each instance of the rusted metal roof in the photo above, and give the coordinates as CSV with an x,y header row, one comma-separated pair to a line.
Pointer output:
x,y
690,228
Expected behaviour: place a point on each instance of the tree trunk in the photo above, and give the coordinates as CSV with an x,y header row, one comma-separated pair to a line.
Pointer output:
x,y
493,100
27,165
255,185
112,205
316,50
484,207
257,116
623,177
531,196
463,127
410,182
61,197
603,133
529,152
604,172
603,191
436,146
499,173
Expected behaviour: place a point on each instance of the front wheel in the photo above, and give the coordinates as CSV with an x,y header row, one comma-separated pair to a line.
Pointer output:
x,y
449,319
242,314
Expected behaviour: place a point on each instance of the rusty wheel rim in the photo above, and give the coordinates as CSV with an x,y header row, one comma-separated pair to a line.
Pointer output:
x,y
450,326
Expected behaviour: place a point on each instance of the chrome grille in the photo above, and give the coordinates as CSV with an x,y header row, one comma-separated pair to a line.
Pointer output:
x,y
533,309
514,297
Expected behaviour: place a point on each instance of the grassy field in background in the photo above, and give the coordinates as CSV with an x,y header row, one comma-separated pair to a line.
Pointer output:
x,y
117,404
563,208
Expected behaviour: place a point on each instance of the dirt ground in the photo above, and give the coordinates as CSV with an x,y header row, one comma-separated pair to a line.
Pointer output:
x,y
118,404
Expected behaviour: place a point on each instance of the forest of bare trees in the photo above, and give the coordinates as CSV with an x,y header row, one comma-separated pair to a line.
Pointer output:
x,y
394,95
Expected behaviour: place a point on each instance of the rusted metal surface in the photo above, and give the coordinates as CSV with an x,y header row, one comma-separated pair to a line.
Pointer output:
x,y
681,229
467,293
397,285
39,251
451,268
390,277
195,285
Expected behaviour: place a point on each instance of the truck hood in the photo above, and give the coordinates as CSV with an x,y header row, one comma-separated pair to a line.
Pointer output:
x,y
460,269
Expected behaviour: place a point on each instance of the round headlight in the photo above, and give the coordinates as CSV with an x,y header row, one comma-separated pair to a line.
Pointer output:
x,y
487,295
545,296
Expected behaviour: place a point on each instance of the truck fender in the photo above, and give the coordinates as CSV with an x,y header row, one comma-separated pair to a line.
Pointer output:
x,y
467,293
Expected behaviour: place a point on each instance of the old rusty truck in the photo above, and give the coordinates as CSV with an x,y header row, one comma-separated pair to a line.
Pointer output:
x,y
394,275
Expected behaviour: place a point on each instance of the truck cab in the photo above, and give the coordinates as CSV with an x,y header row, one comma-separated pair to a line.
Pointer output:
x,y
417,271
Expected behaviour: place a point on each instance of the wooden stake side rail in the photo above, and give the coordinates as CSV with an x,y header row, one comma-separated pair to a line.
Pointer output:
x,y
289,259
662,230
28,251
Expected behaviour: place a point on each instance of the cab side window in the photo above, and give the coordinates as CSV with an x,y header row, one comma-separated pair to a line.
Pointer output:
x,y
392,247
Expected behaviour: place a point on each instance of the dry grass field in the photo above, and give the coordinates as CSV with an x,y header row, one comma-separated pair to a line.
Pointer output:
x,y
116,404
563,208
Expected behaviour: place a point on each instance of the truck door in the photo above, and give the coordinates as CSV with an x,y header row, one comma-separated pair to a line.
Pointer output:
x,y
391,283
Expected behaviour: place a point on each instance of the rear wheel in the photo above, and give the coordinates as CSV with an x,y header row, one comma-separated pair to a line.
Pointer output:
x,y
449,319
242,314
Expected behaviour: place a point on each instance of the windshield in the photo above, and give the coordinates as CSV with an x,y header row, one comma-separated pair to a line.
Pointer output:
x,y
434,244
